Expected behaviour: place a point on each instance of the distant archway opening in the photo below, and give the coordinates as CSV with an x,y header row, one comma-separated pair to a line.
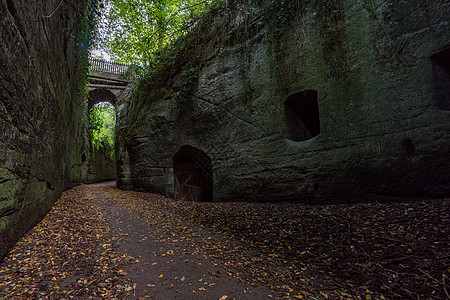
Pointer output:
x,y
441,70
102,120
192,174
100,95
302,112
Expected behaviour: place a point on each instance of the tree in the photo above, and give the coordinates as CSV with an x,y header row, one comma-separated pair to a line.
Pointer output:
x,y
133,31
103,117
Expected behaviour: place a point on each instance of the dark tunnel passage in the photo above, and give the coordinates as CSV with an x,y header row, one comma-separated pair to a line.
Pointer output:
x,y
441,70
302,112
193,175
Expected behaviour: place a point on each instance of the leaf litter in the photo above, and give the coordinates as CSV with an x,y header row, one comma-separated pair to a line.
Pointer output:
x,y
358,251
69,254
299,251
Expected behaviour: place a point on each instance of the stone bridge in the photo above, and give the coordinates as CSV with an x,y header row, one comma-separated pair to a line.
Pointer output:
x,y
107,80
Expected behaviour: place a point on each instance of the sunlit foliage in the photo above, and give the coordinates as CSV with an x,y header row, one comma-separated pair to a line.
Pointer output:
x,y
133,31
103,118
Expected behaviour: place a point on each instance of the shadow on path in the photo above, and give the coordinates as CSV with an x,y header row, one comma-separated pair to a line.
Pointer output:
x,y
170,263
99,242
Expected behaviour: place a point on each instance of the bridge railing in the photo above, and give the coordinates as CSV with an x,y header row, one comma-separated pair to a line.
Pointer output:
x,y
104,66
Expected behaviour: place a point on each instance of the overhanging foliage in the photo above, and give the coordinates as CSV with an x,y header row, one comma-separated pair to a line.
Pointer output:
x,y
103,118
133,31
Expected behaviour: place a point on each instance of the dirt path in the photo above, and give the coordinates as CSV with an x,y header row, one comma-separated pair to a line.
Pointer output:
x,y
170,264
99,242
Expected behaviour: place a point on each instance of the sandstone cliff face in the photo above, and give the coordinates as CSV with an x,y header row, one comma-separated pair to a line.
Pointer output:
x,y
41,110
100,166
350,103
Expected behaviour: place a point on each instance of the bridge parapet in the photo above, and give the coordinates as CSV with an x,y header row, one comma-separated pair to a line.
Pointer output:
x,y
111,69
110,75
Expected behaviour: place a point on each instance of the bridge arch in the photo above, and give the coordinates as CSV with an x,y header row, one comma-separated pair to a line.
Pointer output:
x,y
100,95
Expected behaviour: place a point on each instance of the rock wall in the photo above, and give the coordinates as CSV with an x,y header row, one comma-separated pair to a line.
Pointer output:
x,y
41,110
100,167
340,101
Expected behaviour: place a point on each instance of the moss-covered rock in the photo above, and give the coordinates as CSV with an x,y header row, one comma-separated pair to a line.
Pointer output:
x,y
101,166
41,110
329,101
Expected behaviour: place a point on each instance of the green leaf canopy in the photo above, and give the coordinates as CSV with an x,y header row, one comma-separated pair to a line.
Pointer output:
x,y
133,31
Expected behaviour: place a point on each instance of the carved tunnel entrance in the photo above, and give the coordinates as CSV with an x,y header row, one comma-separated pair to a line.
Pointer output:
x,y
441,69
302,111
193,175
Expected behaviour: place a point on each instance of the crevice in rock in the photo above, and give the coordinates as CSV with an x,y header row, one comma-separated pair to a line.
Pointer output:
x,y
45,32
12,10
48,61
67,38
50,186
2,181
8,212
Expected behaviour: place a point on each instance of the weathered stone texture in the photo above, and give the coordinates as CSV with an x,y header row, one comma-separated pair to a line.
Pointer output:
x,y
384,132
100,167
40,111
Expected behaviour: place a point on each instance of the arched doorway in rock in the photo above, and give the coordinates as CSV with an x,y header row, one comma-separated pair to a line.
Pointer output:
x,y
192,175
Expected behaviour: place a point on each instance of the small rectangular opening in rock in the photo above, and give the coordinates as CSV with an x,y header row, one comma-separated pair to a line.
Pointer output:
x,y
441,72
302,112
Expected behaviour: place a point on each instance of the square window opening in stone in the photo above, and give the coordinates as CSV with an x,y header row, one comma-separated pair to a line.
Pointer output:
x,y
441,73
302,113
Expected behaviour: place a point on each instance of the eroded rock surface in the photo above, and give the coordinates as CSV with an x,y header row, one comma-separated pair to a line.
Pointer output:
x,y
345,105
101,166
41,111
